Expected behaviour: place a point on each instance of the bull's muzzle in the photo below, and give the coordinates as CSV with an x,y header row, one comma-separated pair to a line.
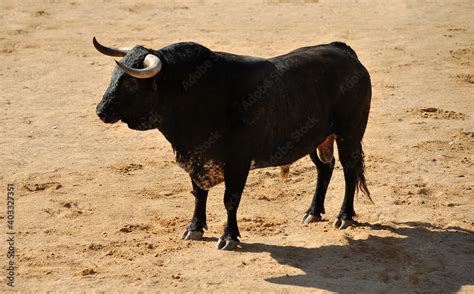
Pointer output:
x,y
107,113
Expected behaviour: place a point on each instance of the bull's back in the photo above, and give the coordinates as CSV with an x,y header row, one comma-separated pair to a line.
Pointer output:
x,y
302,107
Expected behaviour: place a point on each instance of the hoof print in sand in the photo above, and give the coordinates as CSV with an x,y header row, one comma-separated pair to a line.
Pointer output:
x,y
131,228
34,187
125,169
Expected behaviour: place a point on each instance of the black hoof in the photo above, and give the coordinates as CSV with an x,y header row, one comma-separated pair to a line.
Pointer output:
x,y
193,235
343,223
311,218
223,244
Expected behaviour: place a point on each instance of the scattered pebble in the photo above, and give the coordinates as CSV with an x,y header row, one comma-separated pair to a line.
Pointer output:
x,y
88,272
95,246
423,191
430,109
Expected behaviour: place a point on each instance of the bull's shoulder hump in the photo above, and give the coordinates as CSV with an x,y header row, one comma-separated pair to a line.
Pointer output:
x,y
185,52
185,45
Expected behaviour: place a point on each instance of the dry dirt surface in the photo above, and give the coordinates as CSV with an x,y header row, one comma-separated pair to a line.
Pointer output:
x,y
102,207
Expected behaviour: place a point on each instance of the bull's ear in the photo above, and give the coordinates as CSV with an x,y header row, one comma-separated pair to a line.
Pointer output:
x,y
152,67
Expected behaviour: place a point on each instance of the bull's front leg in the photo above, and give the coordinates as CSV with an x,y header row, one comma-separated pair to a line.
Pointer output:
x,y
195,230
235,175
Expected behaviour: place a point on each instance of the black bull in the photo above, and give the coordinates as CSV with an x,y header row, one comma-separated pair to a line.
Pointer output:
x,y
225,114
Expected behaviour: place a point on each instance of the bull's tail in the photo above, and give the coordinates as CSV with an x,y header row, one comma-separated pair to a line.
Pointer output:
x,y
361,183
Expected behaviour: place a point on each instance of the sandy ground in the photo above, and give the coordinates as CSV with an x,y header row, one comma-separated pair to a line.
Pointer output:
x,y
104,207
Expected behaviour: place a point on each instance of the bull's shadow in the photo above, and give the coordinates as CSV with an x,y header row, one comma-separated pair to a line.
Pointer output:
x,y
417,257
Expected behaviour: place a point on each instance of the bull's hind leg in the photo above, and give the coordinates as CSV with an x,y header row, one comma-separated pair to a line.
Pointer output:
x,y
324,170
351,157
195,230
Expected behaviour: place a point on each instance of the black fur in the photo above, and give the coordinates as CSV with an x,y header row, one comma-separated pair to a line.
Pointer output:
x,y
259,113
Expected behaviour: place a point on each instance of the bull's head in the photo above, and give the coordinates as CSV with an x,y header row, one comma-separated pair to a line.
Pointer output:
x,y
131,95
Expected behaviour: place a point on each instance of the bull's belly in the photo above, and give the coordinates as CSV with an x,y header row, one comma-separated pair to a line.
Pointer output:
x,y
285,157
209,173
278,158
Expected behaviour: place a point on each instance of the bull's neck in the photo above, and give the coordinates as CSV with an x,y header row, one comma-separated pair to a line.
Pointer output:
x,y
172,124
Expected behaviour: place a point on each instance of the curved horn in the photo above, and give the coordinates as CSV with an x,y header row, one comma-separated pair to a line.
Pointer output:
x,y
110,51
152,67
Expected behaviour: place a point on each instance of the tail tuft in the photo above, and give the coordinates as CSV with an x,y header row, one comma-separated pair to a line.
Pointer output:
x,y
361,182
